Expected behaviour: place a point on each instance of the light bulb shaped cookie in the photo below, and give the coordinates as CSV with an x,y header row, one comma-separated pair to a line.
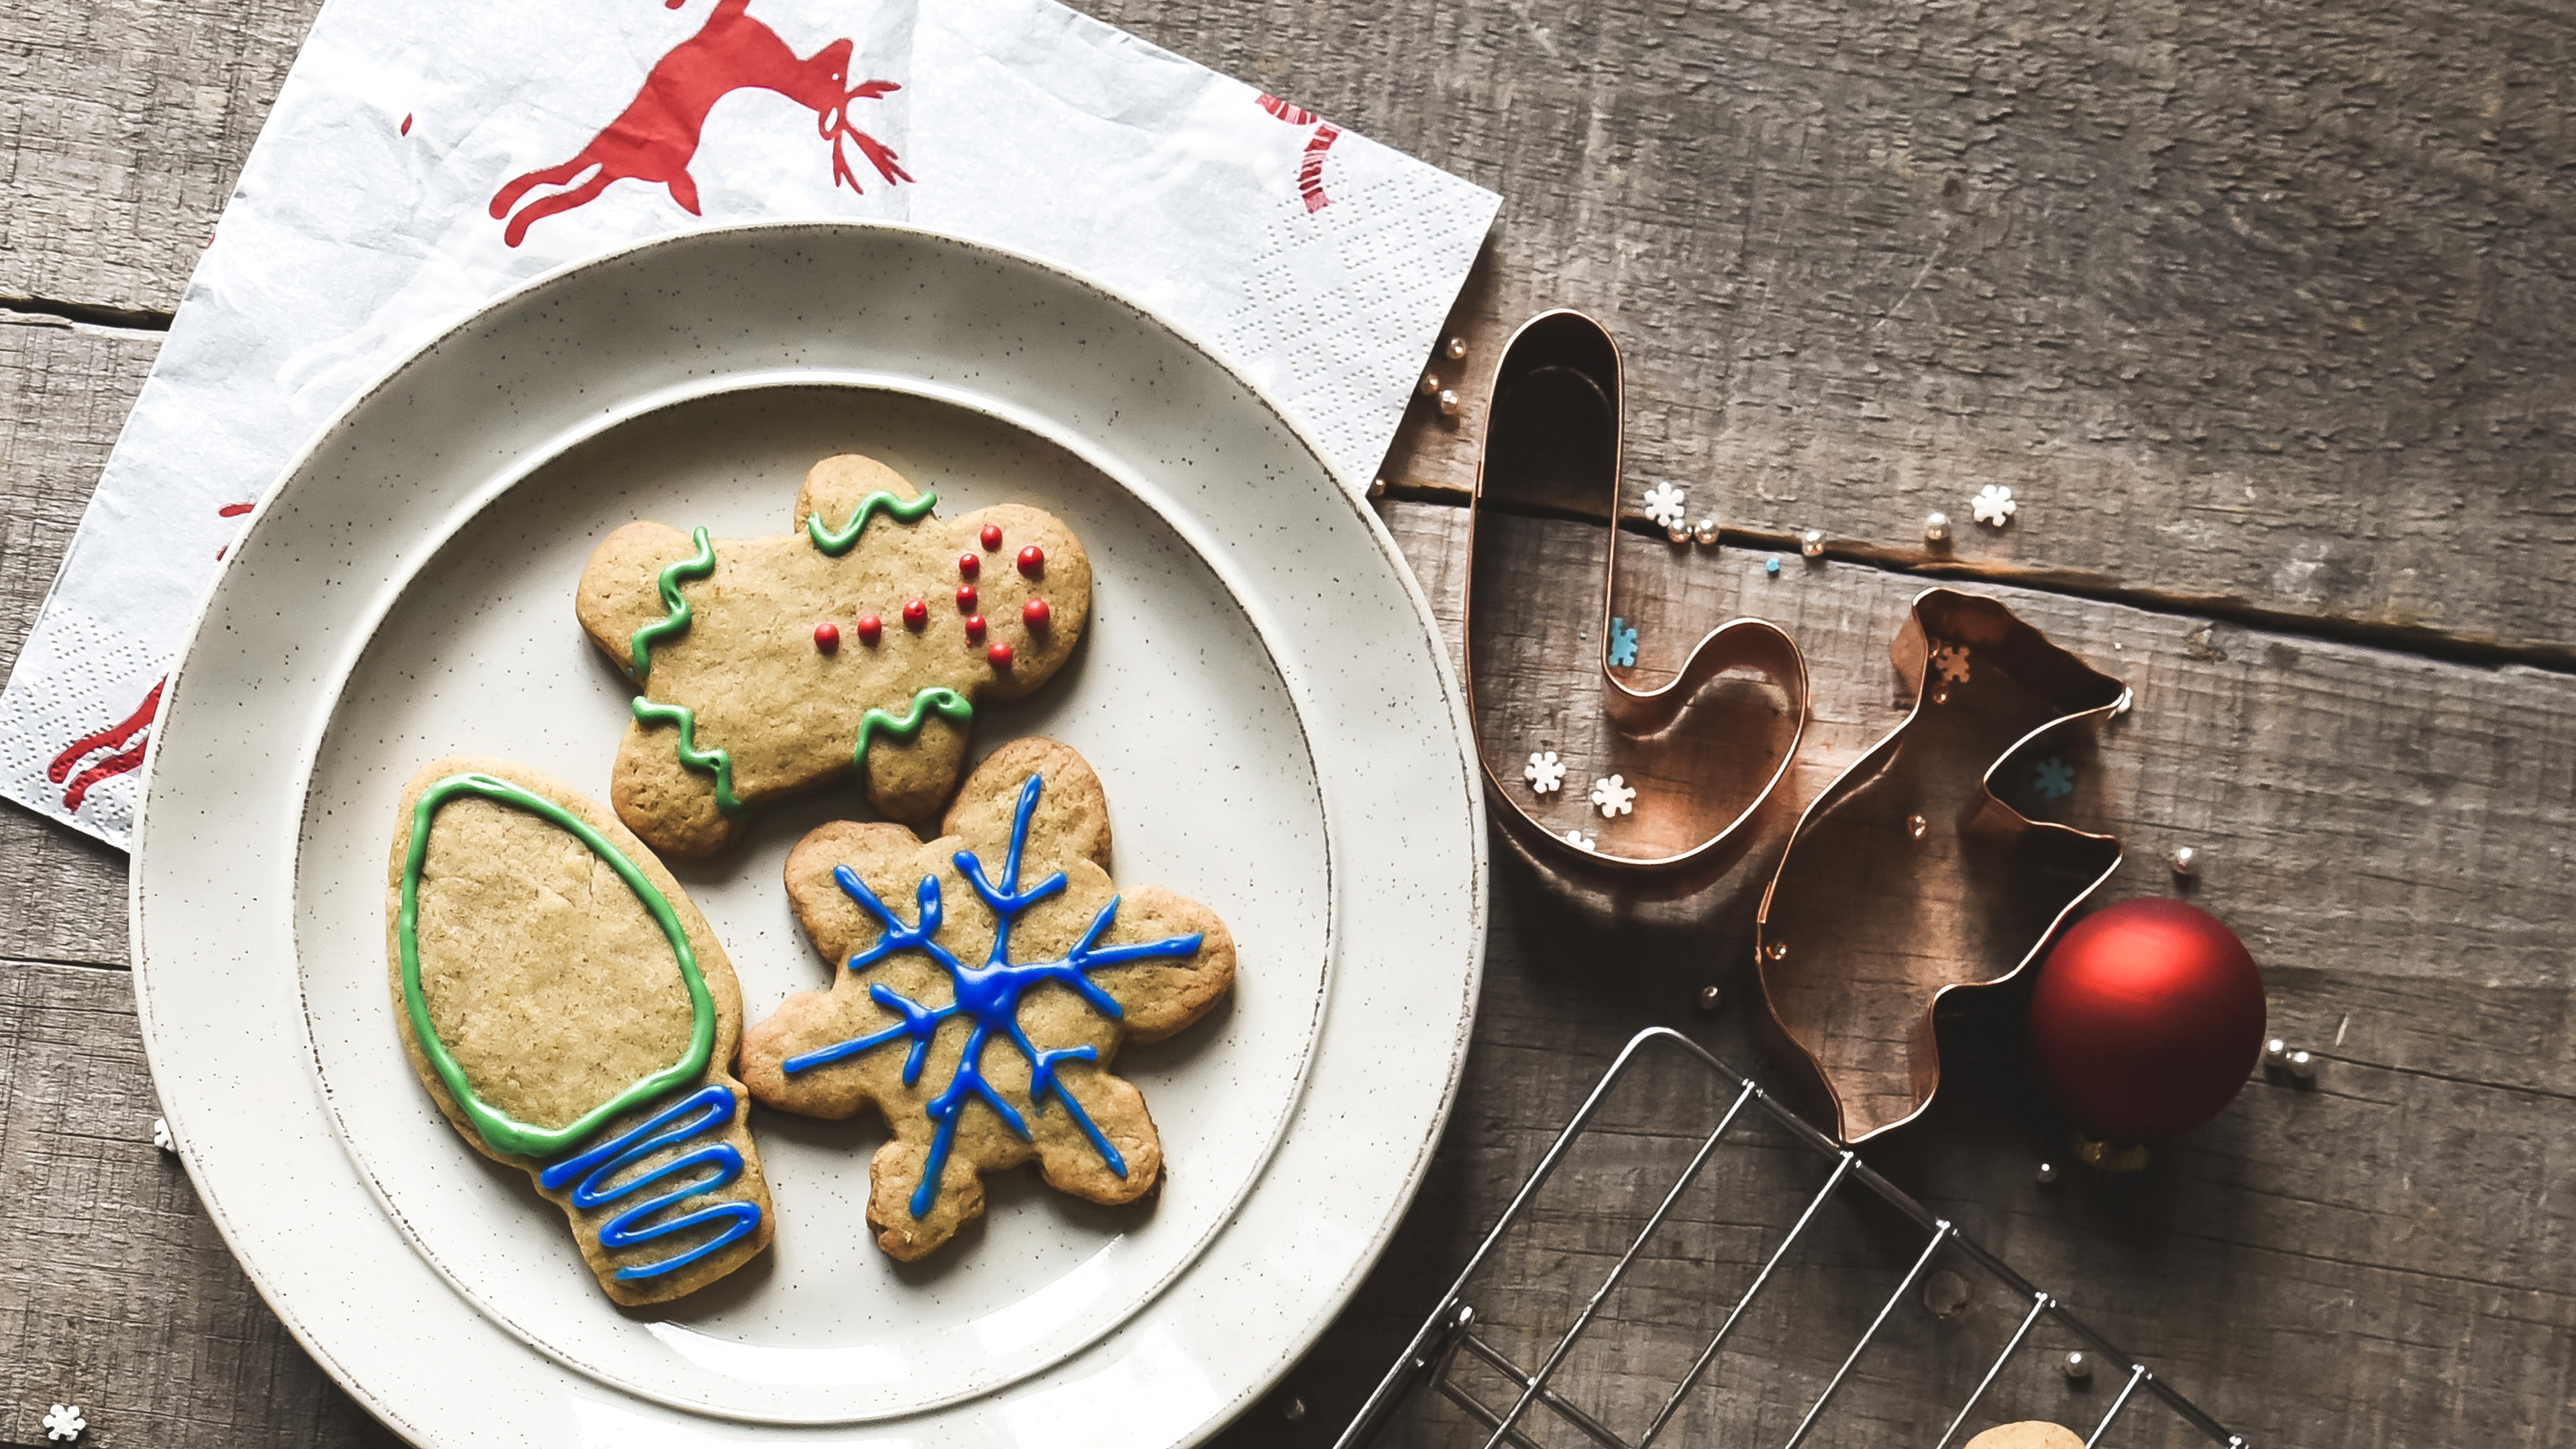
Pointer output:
x,y
859,641
573,1016
982,983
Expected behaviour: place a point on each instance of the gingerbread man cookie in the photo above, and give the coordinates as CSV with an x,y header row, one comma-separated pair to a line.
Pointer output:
x,y
573,1016
861,640
983,1026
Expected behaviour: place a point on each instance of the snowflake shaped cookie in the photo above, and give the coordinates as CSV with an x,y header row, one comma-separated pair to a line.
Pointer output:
x,y
1666,504
1623,643
1614,795
1952,662
1544,772
2056,779
982,1028
65,1423
1993,504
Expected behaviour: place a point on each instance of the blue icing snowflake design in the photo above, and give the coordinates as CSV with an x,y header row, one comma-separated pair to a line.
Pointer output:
x,y
1623,643
988,996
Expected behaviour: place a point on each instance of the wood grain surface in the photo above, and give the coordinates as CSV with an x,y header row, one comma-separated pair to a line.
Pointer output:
x,y
2260,311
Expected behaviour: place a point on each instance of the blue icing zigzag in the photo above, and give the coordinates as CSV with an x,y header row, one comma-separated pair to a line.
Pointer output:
x,y
988,996
708,1108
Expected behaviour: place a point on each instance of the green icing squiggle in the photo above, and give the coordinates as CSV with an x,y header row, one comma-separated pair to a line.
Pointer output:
x,y
675,618
713,762
946,702
835,543
506,1133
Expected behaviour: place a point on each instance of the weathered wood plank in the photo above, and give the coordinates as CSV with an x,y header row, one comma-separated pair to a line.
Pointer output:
x,y
124,126
64,393
2261,304
115,1292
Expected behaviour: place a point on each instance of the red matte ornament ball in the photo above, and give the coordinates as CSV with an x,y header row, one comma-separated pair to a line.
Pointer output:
x,y
827,637
1036,614
968,565
975,627
1033,561
871,629
915,613
1000,654
965,598
2147,1019
992,538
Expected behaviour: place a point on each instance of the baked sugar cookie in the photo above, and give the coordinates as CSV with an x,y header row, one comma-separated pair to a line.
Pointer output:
x,y
983,981
861,640
574,1017
2028,1434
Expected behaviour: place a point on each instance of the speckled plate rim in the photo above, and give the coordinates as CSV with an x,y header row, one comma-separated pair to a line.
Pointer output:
x,y
1403,790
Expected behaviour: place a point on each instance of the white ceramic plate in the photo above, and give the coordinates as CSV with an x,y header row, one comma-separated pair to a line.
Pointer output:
x,y
1262,691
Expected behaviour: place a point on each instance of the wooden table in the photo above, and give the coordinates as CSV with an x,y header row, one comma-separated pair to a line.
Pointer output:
x,y
2264,314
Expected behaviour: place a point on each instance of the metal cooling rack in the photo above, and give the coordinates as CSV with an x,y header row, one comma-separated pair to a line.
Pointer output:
x,y
1451,1329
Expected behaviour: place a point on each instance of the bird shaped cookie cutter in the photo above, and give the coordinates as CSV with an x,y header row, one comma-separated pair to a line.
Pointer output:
x,y
1910,877
1678,769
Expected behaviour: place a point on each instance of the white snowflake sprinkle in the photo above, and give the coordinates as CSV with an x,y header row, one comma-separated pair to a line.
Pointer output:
x,y
1952,661
1613,795
161,1137
1993,504
65,1423
1577,837
1667,505
1544,772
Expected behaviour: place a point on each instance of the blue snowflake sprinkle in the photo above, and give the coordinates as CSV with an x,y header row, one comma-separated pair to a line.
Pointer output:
x,y
988,996
2056,779
1623,643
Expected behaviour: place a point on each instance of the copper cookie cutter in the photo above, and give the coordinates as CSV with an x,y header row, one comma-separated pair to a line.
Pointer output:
x,y
1553,449
1908,873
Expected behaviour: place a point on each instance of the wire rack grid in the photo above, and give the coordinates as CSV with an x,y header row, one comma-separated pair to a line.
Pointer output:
x,y
1450,1331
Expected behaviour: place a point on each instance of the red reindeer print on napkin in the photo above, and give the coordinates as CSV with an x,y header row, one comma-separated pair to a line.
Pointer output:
x,y
1310,167
654,139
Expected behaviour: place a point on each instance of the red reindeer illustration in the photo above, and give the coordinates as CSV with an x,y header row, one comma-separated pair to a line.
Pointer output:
x,y
656,136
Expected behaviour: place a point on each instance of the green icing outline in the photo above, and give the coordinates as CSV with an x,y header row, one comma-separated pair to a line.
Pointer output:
x,y
951,705
835,543
502,1132
676,613
713,762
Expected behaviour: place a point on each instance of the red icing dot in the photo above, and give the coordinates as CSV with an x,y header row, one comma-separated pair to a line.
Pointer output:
x,y
968,565
1000,654
965,598
1033,560
827,637
974,626
870,630
1036,614
915,613
992,538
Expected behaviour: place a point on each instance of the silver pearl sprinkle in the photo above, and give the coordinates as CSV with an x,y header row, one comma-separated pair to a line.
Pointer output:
x,y
1429,386
2302,1066
1377,488
2047,1174
1449,403
1915,825
1936,528
1705,530
1678,532
1711,998
1812,543
2275,1052
1779,950
1456,349
2186,860
1945,1293
2078,1367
